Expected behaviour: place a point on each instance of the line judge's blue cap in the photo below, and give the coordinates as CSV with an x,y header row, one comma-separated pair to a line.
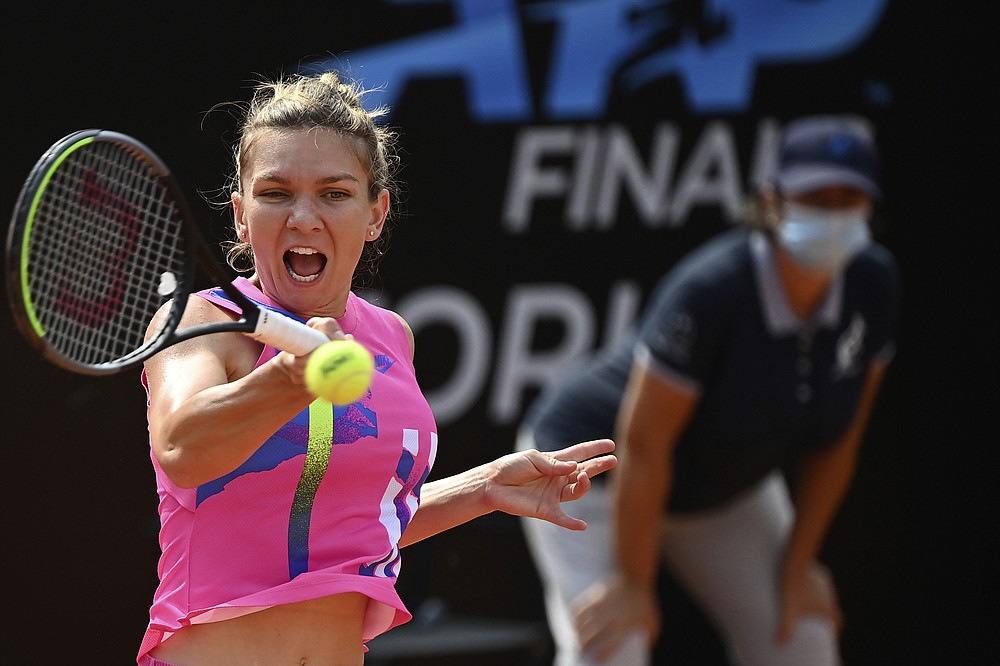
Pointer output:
x,y
824,151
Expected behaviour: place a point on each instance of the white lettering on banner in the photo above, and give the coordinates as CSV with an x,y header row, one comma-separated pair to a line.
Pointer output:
x,y
624,171
711,176
528,178
457,309
518,366
589,167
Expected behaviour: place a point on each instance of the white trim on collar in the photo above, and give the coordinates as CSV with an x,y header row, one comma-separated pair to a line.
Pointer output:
x,y
778,313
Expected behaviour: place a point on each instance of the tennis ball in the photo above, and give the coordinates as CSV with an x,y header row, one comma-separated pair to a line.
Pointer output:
x,y
340,371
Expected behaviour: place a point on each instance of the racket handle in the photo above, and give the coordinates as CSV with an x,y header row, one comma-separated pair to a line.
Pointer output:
x,y
286,333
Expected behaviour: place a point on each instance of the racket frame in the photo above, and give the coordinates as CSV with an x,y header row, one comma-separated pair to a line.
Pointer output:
x,y
264,325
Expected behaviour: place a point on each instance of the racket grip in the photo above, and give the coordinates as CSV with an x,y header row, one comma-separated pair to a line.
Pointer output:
x,y
287,334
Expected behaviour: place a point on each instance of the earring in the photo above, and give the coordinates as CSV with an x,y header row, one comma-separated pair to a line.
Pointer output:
x,y
371,232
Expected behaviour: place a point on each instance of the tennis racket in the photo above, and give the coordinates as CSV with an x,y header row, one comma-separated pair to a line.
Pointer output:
x,y
100,240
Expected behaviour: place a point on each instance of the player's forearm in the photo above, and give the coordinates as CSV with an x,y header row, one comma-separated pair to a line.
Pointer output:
x,y
447,503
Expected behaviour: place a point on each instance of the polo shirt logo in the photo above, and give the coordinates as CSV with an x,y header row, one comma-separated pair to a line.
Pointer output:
x,y
847,360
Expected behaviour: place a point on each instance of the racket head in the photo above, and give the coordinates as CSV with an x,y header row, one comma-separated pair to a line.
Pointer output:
x,y
100,240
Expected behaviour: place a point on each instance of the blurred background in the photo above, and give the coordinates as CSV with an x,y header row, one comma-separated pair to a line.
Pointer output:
x,y
559,158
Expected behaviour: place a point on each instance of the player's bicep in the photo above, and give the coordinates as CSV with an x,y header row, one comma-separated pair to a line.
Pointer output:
x,y
182,370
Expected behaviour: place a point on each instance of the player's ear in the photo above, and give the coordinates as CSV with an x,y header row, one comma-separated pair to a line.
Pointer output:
x,y
239,221
380,211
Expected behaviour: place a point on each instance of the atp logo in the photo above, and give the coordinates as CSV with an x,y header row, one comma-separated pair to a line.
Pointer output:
x,y
713,47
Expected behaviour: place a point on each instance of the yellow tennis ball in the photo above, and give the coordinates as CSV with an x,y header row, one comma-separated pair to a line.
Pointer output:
x,y
340,371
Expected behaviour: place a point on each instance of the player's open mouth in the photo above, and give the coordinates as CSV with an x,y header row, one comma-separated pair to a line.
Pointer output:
x,y
304,264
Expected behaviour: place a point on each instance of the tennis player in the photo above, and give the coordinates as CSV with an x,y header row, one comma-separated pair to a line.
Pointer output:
x,y
281,517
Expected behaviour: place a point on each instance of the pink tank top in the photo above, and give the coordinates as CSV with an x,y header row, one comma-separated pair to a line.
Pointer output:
x,y
317,510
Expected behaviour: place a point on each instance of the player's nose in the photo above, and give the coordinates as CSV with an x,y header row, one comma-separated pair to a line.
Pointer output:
x,y
304,215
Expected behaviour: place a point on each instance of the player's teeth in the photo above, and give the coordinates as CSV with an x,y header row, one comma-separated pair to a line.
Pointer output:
x,y
295,276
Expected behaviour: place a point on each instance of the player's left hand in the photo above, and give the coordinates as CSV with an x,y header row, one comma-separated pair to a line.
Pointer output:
x,y
535,483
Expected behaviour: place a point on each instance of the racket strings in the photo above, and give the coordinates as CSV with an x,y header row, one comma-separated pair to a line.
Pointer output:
x,y
105,232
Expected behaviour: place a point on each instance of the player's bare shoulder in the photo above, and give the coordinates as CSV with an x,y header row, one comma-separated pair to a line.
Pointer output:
x,y
407,330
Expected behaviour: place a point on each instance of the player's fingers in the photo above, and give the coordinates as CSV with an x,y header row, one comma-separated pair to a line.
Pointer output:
x,y
329,327
566,521
598,465
585,450
577,487
548,463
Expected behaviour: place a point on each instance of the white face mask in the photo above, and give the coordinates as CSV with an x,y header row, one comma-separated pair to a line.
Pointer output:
x,y
823,239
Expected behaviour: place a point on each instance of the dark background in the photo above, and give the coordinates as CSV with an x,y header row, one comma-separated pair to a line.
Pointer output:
x,y
912,548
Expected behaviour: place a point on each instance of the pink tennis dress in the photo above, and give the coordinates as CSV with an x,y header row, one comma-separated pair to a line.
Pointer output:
x,y
317,510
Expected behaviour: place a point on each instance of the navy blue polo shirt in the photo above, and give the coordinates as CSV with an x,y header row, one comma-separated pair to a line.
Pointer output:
x,y
771,386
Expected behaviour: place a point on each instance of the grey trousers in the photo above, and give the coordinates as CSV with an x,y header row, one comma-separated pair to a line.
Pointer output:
x,y
726,559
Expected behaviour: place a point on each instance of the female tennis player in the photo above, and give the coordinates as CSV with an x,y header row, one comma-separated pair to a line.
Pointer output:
x,y
282,517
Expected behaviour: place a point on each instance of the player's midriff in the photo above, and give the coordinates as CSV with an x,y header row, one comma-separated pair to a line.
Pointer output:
x,y
317,632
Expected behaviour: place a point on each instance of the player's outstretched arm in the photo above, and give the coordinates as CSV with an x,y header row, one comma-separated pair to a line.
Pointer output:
x,y
526,483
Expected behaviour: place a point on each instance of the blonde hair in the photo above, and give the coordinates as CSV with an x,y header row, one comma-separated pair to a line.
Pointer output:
x,y
319,101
